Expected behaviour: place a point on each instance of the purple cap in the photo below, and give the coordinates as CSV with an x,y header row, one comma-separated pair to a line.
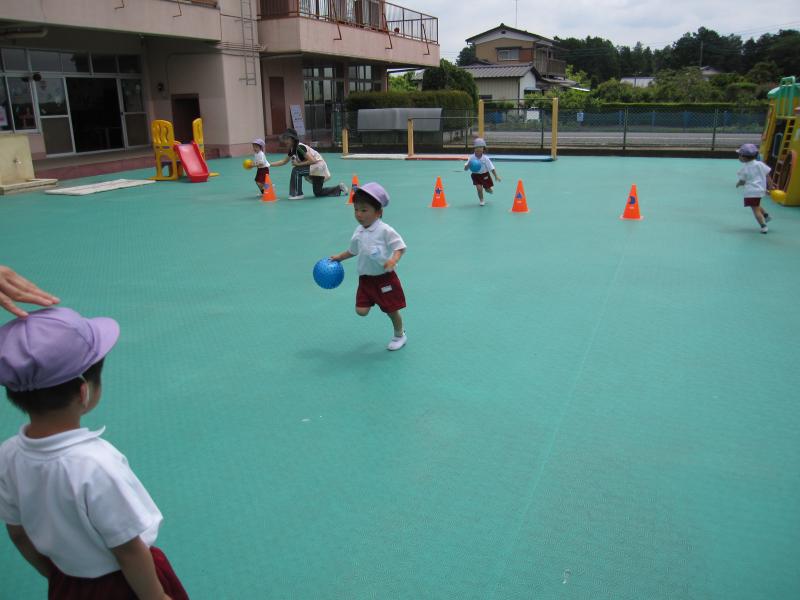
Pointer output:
x,y
52,346
259,142
748,150
376,191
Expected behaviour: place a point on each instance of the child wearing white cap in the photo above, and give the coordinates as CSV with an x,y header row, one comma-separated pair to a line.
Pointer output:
x,y
72,506
481,179
753,178
379,248
261,164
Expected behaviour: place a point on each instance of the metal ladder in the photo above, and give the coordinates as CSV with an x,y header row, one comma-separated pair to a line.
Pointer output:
x,y
250,49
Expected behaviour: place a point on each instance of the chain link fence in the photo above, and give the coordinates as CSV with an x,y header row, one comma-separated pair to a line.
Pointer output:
x,y
529,129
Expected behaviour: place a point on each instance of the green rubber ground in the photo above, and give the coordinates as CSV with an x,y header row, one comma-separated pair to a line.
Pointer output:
x,y
586,407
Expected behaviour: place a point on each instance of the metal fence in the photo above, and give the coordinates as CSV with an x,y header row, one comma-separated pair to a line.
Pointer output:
x,y
529,129
625,128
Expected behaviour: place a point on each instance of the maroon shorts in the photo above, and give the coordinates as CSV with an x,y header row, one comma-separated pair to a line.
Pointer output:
x,y
482,179
384,290
113,585
261,174
752,201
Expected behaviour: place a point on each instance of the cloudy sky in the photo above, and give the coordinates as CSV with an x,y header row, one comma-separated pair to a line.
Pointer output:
x,y
624,22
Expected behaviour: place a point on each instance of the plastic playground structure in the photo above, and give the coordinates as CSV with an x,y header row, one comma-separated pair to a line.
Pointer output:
x,y
780,141
178,158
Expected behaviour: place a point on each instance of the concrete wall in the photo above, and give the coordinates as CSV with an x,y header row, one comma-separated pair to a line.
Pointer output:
x,y
231,110
291,69
15,159
294,35
155,17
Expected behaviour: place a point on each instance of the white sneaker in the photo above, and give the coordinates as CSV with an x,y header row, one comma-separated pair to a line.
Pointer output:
x,y
764,229
482,203
298,197
343,188
397,342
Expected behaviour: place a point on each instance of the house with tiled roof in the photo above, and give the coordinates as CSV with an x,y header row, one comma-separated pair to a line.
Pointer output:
x,y
511,62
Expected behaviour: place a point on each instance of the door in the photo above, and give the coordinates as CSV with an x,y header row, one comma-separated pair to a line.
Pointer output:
x,y
277,105
185,109
96,120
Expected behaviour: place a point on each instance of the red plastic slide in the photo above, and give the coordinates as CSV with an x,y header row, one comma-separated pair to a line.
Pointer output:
x,y
192,161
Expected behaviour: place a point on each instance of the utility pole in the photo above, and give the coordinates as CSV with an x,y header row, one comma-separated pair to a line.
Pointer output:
x,y
701,54
516,11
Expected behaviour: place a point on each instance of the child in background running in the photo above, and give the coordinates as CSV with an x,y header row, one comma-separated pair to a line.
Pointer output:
x,y
482,180
753,177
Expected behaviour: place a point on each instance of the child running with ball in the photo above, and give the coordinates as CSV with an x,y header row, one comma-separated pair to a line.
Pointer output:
x,y
378,248
481,166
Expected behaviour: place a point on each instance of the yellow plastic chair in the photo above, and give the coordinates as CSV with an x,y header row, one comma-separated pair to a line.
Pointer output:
x,y
164,148
197,134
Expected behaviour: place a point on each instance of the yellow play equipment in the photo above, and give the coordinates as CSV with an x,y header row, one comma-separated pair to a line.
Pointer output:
x,y
780,141
172,155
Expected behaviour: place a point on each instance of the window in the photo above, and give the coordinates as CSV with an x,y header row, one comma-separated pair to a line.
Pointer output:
x,y
14,59
104,64
5,109
21,103
507,54
74,62
45,61
52,96
129,64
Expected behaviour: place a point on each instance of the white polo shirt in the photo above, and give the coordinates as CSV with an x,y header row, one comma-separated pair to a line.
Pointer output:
x,y
754,174
374,246
76,497
486,163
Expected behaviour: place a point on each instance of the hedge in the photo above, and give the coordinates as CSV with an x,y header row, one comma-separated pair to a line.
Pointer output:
x,y
445,99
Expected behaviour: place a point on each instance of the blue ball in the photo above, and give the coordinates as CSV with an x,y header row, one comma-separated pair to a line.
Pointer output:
x,y
328,273
474,165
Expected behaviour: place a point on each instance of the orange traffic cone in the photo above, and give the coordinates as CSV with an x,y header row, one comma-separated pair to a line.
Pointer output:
x,y
632,206
269,191
439,200
520,202
352,185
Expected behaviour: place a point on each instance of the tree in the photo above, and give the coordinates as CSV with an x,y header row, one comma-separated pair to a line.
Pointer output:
x,y
447,76
402,83
684,85
467,56
784,51
597,56
764,72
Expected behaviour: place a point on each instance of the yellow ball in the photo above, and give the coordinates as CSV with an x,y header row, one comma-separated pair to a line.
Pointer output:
x,y
778,195
248,163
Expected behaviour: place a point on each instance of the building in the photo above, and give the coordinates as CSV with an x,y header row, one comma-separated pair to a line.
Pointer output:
x,y
87,77
512,62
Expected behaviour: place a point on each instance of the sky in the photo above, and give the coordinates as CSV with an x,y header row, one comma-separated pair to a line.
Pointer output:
x,y
624,22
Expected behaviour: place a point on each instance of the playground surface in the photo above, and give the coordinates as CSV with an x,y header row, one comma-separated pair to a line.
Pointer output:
x,y
586,408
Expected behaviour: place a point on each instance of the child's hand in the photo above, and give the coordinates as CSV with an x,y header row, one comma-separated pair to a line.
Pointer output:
x,y
335,258
497,178
739,183
390,264
466,166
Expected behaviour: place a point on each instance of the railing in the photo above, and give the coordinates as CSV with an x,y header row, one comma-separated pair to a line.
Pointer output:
x,y
550,66
372,14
